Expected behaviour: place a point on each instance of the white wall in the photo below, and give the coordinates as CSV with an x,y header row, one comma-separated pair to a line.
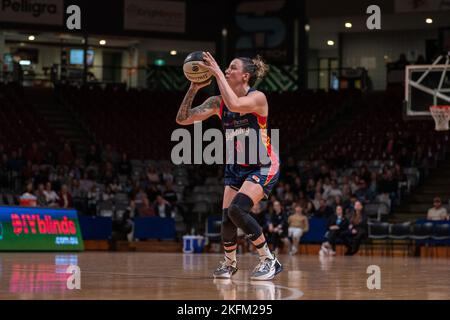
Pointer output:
x,y
372,47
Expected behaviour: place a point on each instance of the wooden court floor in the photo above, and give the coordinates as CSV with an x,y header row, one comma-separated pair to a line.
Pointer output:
x,y
141,275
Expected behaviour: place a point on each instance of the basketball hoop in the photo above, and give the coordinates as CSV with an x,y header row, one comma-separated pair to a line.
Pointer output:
x,y
441,115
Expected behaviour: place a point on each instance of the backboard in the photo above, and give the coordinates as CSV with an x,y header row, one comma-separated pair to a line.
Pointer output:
x,y
425,86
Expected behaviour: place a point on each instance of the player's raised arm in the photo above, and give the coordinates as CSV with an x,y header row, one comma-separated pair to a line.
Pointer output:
x,y
187,115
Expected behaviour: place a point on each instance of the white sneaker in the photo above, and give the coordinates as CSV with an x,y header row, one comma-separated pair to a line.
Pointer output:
x,y
267,269
225,269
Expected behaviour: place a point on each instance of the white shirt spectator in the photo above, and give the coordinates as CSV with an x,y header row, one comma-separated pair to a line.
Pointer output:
x,y
437,214
51,197
331,193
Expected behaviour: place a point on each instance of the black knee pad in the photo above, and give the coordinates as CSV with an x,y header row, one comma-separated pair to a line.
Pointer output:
x,y
229,230
239,213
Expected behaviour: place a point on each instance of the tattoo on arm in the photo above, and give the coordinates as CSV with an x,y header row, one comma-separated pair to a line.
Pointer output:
x,y
186,112
183,112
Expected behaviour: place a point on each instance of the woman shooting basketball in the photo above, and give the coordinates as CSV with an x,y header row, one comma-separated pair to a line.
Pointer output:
x,y
239,107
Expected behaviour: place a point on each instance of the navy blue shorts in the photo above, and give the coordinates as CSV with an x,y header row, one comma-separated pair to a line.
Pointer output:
x,y
265,176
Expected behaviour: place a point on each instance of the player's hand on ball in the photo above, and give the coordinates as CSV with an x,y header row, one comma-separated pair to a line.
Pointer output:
x,y
210,63
198,85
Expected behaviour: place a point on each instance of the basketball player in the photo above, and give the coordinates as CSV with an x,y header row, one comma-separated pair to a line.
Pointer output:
x,y
239,107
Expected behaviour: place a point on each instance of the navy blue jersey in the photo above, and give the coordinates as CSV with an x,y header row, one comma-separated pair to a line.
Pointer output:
x,y
236,124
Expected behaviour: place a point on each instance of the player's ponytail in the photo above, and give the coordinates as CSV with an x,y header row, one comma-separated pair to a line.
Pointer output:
x,y
256,67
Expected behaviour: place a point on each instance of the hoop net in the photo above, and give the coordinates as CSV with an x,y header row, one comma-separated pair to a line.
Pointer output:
x,y
441,116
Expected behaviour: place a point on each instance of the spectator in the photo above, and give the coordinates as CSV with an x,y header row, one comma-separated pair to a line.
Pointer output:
x,y
169,194
41,198
50,195
311,189
356,231
167,176
298,225
75,189
65,198
324,211
278,227
437,212
76,170
288,195
107,195
153,192
145,209
153,176
93,197
316,201
162,207
309,209
28,199
86,183
333,191
364,194
337,225
388,185
115,186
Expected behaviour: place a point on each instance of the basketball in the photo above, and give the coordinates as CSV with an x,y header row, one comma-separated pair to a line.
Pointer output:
x,y
193,70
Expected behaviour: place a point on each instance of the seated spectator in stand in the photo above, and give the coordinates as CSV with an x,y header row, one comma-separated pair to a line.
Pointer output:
x,y
65,198
41,199
93,197
107,195
50,195
356,231
28,199
324,211
153,192
167,176
297,187
162,207
333,191
145,209
311,189
169,194
298,225
309,209
355,183
115,186
86,183
316,201
288,197
153,176
437,212
389,185
337,225
364,194
278,228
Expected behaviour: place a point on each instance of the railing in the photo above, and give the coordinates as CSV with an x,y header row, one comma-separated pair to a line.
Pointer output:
x,y
171,78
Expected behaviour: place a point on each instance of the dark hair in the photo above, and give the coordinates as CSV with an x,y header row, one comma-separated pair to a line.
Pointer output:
x,y
256,67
